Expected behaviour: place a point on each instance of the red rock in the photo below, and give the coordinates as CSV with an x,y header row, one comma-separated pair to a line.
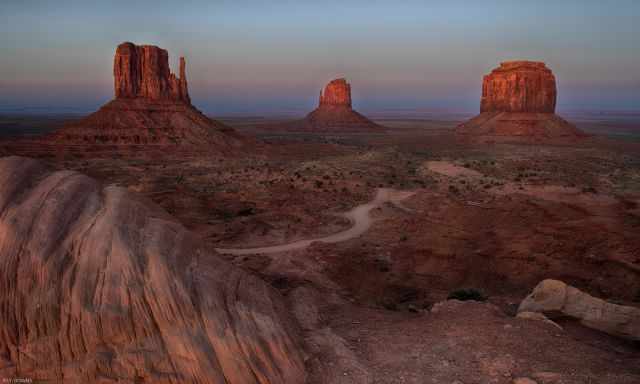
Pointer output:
x,y
336,93
334,113
519,86
518,104
143,71
100,285
152,106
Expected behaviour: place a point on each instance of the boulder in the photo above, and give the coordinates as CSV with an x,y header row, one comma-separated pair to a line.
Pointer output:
x,y
553,297
101,285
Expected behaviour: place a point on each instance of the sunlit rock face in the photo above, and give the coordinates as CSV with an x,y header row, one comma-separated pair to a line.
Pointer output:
x,y
334,112
100,285
336,93
151,107
519,86
518,104
143,71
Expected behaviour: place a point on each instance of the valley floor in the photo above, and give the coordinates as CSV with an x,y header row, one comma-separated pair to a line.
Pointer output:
x,y
495,217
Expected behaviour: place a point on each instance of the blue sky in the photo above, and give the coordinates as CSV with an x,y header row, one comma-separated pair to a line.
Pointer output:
x,y
274,56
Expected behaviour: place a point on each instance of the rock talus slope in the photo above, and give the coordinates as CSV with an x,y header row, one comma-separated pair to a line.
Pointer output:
x,y
100,285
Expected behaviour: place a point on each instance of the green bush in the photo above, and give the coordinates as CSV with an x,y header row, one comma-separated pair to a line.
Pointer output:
x,y
467,294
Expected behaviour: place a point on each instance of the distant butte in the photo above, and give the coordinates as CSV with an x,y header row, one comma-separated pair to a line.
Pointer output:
x,y
143,71
151,107
518,104
333,115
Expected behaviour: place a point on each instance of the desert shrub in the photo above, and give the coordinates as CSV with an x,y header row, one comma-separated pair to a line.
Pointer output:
x,y
467,294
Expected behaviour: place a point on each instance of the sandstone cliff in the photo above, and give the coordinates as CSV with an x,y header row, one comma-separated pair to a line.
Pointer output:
x,y
143,71
519,86
336,93
99,285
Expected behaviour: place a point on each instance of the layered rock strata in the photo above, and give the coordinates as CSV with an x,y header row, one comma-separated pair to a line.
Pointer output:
x,y
151,107
518,104
101,285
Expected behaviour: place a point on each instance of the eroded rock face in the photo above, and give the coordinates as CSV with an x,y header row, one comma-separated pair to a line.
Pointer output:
x,y
518,105
519,86
334,113
100,285
336,93
143,71
152,107
554,296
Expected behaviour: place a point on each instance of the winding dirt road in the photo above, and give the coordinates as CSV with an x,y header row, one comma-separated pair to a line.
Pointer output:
x,y
359,217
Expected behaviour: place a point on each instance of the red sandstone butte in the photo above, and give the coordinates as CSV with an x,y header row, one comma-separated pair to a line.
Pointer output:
x,y
336,93
143,71
334,113
151,107
518,103
519,86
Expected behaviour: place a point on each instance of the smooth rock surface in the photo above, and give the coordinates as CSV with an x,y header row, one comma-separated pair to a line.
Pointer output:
x,y
99,285
555,297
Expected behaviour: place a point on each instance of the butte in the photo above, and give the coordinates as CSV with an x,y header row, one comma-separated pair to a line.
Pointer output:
x,y
151,107
518,105
334,113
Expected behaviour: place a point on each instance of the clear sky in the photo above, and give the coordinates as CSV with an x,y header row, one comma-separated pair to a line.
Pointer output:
x,y
274,56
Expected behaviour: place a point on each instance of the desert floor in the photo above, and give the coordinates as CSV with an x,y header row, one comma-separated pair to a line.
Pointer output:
x,y
495,217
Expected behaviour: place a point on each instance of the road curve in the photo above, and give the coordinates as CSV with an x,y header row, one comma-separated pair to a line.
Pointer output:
x,y
359,217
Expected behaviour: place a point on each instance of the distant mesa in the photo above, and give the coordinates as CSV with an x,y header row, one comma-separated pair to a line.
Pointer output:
x,y
333,115
518,104
151,106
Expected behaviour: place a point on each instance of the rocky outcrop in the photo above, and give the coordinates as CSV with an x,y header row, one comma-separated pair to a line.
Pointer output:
x,y
143,71
100,285
151,107
518,104
333,115
519,86
554,297
336,93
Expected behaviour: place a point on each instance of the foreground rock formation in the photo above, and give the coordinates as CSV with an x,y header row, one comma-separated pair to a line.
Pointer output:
x,y
518,102
101,285
151,106
555,297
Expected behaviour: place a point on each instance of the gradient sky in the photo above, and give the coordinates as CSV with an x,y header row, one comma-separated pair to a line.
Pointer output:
x,y
274,56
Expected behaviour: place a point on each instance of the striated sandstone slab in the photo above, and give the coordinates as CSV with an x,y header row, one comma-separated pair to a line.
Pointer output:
x,y
101,285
